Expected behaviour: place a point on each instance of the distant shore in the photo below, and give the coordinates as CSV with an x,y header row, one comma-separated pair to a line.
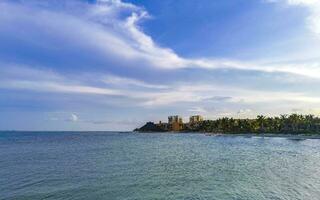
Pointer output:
x,y
293,126
246,135
288,136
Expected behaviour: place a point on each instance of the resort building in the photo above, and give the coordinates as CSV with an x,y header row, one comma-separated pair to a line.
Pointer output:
x,y
195,119
175,123
163,126
174,119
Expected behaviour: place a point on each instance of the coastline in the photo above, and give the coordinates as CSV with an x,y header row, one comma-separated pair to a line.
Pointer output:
x,y
246,135
288,136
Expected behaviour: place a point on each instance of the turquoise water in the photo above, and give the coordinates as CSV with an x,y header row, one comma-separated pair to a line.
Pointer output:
x,y
156,166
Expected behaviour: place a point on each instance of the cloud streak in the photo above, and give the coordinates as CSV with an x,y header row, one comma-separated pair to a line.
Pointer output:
x,y
147,94
111,29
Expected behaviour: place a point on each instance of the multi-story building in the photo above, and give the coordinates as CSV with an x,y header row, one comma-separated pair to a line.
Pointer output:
x,y
175,123
174,119
195,119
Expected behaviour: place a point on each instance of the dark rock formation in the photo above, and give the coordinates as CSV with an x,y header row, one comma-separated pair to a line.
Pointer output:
x,y
150,127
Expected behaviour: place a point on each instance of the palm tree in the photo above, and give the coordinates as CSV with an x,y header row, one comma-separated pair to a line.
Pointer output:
x,y
261,122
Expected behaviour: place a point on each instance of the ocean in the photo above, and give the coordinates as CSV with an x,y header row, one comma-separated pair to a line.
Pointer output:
x,y
133,166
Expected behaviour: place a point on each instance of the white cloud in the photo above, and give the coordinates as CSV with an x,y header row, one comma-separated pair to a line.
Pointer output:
x,y
200,93
199,97
303,2
147,50
122,81
160,57
134,89
103,28
313,20
74,117
63,116
60,87
111,28
26,78
197,110
244,111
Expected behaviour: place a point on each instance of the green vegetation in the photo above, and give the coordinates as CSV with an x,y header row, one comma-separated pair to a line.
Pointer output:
x,y
293,124
285,124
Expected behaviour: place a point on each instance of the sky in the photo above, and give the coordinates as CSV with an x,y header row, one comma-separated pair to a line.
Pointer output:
x,y
115,64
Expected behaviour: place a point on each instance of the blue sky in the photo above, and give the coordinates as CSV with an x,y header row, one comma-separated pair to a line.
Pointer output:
x,y
113,65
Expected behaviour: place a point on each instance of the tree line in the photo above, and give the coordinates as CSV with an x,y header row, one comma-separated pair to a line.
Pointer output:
x,y
293,124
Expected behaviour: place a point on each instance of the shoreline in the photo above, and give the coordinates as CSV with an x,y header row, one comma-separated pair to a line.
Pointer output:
x,y
247,135
291,136
288,136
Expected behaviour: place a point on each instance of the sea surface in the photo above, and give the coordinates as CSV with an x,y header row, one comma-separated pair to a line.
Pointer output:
x,y
132,166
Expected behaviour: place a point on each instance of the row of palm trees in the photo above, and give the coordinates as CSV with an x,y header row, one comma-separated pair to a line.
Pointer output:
x,y
292,124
